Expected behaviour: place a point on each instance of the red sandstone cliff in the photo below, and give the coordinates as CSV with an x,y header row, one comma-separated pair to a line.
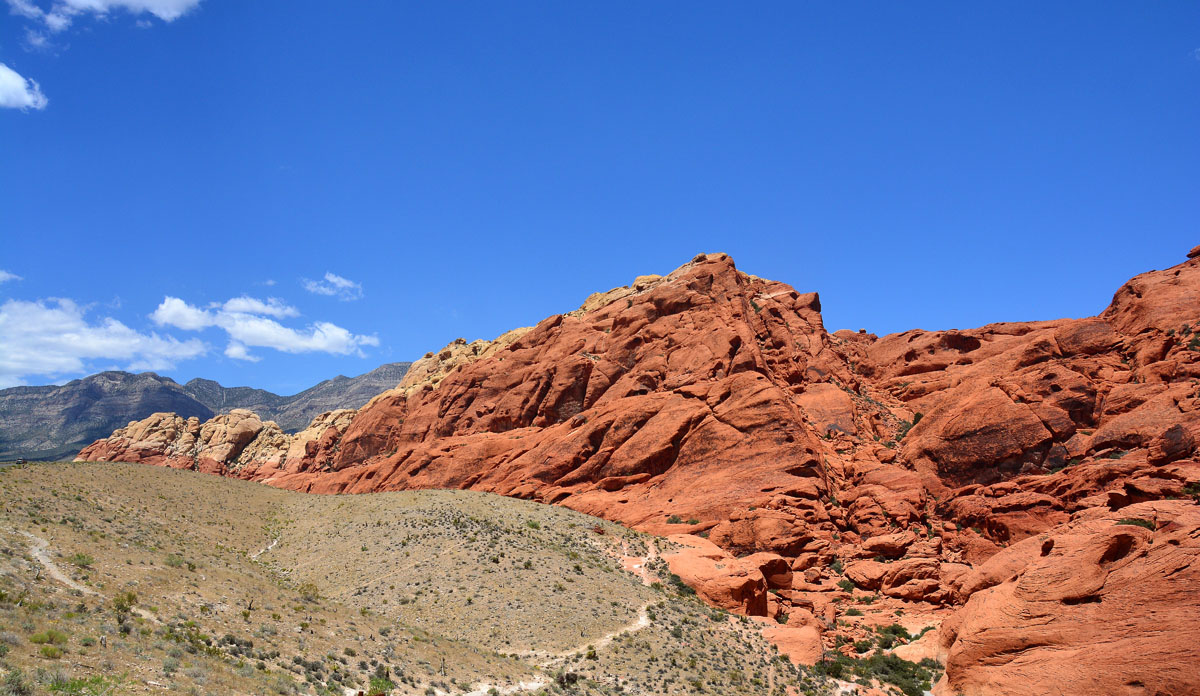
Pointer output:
x,y
713,402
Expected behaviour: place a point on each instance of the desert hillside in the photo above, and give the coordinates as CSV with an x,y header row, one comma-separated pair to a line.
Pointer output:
x,y
1028,489
126,579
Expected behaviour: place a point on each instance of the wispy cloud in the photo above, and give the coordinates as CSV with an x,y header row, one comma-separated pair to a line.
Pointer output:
x,y
52,338
17,92
5,276
45,18
251,323
57,15
334,286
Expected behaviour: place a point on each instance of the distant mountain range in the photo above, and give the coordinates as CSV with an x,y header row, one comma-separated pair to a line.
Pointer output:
x,y
52,422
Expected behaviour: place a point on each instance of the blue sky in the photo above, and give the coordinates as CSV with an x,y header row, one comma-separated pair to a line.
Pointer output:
x,y
270,193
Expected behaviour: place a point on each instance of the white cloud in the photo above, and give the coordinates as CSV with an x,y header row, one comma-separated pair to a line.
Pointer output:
x,y
272,307
175,312
53,338
248,322
57,15
238,351
17,92
36,39
334,285
5,276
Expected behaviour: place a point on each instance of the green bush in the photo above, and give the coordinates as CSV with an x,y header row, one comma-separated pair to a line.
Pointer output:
x,y
309,592
888,635
1137,523
123,603
906,426
913,679
84,686
15,684
81,560
380,685
50,652
49,637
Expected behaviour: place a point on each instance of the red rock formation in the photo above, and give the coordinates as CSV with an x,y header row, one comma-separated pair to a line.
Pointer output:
x,y
1097,606
710,402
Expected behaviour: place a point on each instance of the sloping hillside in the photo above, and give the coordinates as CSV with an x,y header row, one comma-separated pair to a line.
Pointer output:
x,y
125,579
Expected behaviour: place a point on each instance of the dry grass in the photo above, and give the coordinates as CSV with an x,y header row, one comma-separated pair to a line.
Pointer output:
x,y
439,591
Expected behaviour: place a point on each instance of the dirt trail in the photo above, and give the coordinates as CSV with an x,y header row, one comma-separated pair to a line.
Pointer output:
x,y
38,549
634,564
265,549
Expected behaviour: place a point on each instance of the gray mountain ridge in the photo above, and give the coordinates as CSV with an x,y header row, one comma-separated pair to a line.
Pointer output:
x,y
54,422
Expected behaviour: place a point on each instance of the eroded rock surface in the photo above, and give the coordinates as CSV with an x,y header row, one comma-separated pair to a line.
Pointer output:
x,y
810,473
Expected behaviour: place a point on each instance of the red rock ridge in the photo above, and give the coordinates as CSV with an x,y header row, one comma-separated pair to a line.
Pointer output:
x,y
712,402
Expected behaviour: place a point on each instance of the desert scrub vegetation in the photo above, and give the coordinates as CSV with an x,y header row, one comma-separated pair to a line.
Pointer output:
x,y
209,586
1135,522
911,678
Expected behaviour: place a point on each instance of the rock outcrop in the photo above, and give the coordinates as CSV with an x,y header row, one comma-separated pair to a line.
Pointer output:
x,y
1102,605
809,473
51,422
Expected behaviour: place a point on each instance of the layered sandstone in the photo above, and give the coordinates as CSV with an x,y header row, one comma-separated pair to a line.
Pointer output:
x,y
711,403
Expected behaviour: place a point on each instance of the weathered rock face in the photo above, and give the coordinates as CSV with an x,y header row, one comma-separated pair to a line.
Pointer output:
x,y
1097,606
712,403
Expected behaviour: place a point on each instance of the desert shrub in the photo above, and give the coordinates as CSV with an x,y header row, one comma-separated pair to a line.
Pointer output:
x,y
846,584
50,652
49,637
679,585
908,425
854,612
82,686
674,519
1137,522
15,684
309,592
912,678
81,560
888,635
124,602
